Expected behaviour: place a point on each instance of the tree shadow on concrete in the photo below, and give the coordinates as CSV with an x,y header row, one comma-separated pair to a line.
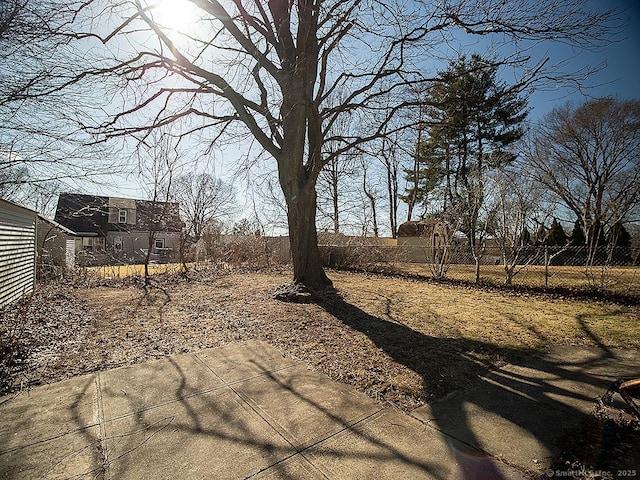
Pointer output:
x,y
516,415
226,421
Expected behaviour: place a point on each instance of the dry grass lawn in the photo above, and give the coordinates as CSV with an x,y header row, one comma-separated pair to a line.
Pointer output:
x,y
401,341
621,280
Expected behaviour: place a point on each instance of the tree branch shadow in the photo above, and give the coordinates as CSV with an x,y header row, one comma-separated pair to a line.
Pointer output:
x,y
533,386
206,415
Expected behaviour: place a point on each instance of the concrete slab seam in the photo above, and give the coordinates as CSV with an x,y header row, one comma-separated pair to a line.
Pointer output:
x,y
162,424
277,428
45,440
300,450
235,382
347,428
427,423
207,367
53,437
12,398
223,386
282,431
104,453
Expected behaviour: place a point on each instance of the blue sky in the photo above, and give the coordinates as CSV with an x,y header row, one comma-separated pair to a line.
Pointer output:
x,y
621,75
620,78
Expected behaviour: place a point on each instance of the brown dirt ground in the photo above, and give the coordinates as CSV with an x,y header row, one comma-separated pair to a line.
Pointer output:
x,y
402,341
399,340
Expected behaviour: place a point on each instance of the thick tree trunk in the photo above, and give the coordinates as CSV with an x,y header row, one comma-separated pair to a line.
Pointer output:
x,y
300,196
300,157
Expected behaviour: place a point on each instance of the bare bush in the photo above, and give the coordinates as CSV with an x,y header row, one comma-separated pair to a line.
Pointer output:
x,y
15,342
215,247
341,251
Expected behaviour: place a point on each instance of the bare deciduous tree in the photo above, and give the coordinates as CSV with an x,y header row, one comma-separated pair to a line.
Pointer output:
x,y
271,67
339,169
42,146
371,192
158,163
333,201
515,200
390,157
203,199
589,157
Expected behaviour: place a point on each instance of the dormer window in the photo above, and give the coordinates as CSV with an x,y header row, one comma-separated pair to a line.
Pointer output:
x,y
122,216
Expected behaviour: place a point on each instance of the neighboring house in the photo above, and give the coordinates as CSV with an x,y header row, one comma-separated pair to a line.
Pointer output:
x,y
17,251
119,230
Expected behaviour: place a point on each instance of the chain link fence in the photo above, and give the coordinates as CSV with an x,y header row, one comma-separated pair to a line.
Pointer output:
x,y
616,270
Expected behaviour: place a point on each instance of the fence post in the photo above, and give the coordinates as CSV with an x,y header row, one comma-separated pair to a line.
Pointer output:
x,y
546,266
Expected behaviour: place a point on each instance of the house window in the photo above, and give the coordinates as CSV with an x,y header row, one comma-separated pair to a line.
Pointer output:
x,y
159,243
122,216
117,244
92,243
87,243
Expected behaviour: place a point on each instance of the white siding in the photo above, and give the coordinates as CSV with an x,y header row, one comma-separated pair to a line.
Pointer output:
x,y
17,252
70,253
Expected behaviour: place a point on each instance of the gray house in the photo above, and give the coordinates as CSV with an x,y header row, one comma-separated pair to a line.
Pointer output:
x,y
120,230
17,251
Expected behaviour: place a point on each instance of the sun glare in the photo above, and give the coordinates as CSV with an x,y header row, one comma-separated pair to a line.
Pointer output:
x,y
179,15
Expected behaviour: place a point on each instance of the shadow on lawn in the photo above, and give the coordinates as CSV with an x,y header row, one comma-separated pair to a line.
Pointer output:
x,y
519,414
221,416
185,416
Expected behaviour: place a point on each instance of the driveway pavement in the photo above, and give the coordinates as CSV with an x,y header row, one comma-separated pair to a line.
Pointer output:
x,y
245,411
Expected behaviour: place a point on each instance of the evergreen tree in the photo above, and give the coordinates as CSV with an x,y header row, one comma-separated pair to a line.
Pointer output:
x,y
618,236
525,237
472,120
541,235
577,238
620,240
596,235
557,236
424,178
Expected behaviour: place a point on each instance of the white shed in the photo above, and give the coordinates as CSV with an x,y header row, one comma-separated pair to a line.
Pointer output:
x,y
56,247
17,251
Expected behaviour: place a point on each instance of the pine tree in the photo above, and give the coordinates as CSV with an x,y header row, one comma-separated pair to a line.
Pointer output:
x,y
472,120
425,176
618,236
577,238
557,236
525,237
541,235
620,240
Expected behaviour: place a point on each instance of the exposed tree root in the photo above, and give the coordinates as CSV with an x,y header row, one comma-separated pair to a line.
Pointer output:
x,y
299,293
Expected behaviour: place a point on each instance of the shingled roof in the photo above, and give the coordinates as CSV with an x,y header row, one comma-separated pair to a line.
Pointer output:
x,y
83,214
89,215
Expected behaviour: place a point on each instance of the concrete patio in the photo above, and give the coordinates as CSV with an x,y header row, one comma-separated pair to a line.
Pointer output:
x,y
245,411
